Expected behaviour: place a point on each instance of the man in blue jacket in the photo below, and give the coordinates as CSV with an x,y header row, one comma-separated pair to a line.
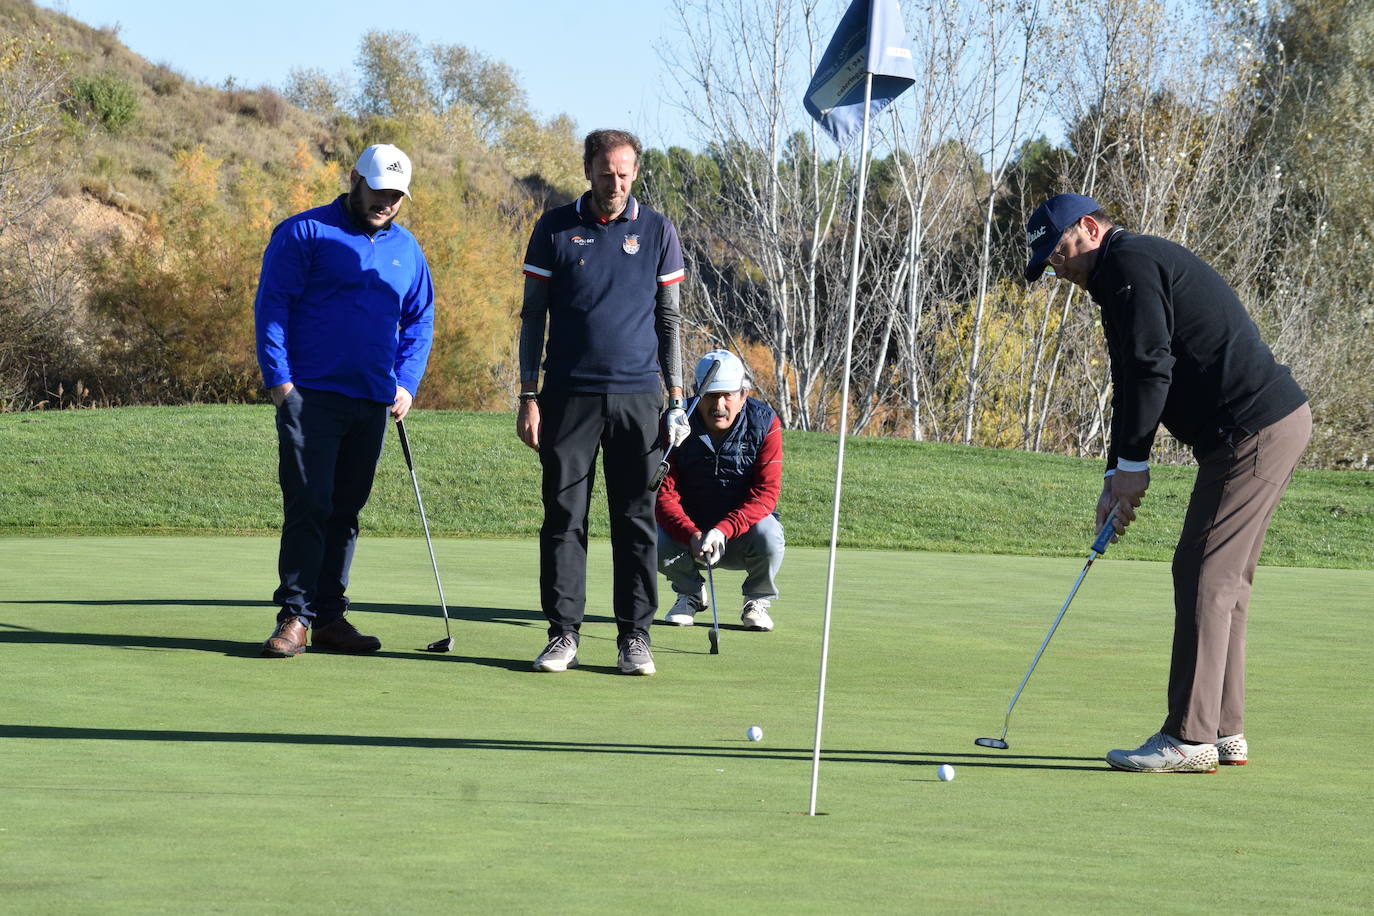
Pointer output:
x,y
345,318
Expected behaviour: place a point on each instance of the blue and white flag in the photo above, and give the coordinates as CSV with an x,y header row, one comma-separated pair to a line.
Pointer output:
x,y
870,39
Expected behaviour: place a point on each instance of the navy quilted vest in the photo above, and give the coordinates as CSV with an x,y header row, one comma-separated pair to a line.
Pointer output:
x,y
713,481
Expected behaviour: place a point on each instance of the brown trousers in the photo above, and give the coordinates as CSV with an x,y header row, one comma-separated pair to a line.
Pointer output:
x,y
1234,497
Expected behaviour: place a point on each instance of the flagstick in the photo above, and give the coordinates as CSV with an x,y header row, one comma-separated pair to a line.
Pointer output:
x,y
839,459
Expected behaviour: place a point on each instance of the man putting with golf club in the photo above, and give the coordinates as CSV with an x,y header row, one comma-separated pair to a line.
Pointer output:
x,y
1184,353
602,273
716,505
345,318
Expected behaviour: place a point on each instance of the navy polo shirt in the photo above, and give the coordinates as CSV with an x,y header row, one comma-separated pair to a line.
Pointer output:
x,y
603,278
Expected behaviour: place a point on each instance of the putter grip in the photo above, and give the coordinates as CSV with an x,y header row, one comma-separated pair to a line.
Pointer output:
x,y
1104,537
661,473
405,442
709,377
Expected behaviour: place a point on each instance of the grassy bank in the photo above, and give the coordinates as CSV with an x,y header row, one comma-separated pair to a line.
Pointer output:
x,y
212,470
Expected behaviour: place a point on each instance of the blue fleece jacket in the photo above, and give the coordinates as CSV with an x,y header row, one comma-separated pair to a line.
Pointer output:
x,y
343,310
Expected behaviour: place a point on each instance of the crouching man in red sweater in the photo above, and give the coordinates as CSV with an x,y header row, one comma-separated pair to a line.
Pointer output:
x,y
717,503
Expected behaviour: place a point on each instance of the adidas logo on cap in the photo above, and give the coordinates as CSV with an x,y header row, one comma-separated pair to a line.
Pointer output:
x,y
385,168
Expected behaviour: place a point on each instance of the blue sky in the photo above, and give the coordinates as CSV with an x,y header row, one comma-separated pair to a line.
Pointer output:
x,y
597,62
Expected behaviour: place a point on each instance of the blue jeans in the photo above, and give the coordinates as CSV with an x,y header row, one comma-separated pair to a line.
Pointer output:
x,y
328,445
758,552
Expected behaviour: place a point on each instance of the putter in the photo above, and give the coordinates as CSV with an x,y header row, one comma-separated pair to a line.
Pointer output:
x,y
1099,547
714,635
662,471
445,644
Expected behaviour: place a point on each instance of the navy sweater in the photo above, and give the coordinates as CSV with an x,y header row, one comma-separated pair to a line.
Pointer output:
x,y
1184,352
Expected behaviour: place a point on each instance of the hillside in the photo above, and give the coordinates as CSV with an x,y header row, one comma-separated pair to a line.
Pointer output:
x,y
132,283
130,168
134,211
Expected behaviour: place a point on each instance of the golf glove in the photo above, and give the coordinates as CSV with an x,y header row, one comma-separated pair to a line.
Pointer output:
x,y
713,546
675,422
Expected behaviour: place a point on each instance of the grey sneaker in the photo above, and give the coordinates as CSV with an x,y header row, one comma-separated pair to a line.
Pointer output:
x,y
1163,753
755,615
684,609
1233,751
635,658
559,655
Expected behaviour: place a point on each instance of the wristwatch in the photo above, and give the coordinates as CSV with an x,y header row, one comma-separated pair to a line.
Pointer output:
x,y
528,396
676,404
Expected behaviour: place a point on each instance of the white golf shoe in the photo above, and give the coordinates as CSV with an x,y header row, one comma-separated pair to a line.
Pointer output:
x,y
559,655
755,615
1163,753
684,609
1233,751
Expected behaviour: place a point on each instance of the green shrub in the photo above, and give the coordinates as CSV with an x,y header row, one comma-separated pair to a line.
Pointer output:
x,y
111,100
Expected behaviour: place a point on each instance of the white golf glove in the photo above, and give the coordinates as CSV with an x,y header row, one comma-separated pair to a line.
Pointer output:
x,y
675,422
712,546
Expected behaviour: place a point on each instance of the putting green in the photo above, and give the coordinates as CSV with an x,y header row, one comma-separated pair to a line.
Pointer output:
x,y
150,761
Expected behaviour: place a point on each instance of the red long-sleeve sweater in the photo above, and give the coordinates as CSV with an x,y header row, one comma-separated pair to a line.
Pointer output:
x,y
764,487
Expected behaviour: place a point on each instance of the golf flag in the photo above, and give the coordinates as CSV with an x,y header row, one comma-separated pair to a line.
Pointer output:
x,y
870,39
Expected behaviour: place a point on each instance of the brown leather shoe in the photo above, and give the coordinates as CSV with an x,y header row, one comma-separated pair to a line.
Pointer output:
x,y
287,640
341,636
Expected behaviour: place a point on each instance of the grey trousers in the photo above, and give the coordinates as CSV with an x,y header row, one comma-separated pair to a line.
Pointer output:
x,y
1234,497
757,551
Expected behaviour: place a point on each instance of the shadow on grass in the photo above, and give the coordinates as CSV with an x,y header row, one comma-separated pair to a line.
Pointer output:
x,y
518,616
144,642
751,751
701,625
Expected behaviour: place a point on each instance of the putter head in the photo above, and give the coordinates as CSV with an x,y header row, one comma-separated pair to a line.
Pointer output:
x,y
441,645
992,742
714,636
659,475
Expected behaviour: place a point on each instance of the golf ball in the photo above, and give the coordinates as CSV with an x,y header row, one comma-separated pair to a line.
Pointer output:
x,y
755,733
946,772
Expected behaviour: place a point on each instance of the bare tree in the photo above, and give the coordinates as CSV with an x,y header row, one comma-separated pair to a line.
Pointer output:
x,y
779,226
36,263
1008,36
32,78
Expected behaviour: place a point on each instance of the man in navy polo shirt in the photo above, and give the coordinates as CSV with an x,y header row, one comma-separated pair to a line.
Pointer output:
x,y
345,317
602,274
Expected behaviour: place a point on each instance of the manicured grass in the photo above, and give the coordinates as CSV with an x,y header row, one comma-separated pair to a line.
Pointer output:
x,y
149,762
212,470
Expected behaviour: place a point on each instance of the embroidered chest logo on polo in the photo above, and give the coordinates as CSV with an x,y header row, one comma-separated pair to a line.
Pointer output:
x,y
631,244
580,240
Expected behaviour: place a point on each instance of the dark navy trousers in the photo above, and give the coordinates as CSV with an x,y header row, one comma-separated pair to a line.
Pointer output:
x,y
573,429
328,445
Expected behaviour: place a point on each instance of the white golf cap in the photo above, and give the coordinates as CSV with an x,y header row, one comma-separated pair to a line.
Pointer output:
x,y
731,376
385,167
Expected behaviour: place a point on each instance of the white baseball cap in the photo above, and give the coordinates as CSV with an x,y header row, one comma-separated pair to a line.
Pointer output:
x,y
385,167
731,376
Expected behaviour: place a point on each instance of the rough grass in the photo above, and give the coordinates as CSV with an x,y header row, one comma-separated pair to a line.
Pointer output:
x,y
212,470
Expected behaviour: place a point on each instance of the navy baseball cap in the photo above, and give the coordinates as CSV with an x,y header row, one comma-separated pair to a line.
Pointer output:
x,y
1047,224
